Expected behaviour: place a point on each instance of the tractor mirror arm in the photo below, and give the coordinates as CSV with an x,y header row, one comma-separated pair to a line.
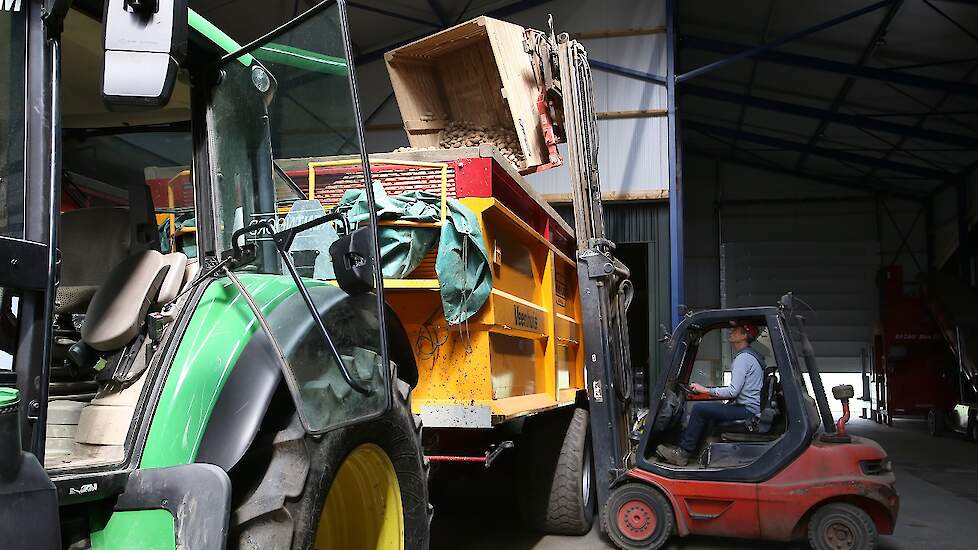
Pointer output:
x,y
283,241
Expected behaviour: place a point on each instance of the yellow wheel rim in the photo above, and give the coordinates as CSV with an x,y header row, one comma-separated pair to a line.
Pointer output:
x,y
363,508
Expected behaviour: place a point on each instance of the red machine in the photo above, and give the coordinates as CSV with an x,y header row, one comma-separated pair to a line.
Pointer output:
x,y
788,473
913,369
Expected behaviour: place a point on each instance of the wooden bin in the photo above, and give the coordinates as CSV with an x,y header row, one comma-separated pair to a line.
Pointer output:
x,y
475,72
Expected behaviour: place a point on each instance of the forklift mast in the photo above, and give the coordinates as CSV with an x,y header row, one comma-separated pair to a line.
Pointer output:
x,y
603,281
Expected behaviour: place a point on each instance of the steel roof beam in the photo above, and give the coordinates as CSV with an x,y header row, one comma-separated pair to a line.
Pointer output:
x,y
830,116
756,50
843,93
625,71
840,156
393,14
851,69
824,180
509,9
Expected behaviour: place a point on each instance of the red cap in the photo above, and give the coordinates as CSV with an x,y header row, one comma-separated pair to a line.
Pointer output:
x,y
749,327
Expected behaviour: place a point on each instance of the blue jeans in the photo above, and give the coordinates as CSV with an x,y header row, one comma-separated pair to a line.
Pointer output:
x,y
704,412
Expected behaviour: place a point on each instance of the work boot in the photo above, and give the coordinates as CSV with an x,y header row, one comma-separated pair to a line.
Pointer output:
x,y
672,454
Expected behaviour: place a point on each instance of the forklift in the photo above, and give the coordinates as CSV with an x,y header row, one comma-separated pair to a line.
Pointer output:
x,y
790,472
236,398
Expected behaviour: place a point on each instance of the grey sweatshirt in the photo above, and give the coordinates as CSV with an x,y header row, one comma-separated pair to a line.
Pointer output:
x,y
746,378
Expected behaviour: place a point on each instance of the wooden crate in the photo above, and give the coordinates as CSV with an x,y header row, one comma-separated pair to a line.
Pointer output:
x,y
475,72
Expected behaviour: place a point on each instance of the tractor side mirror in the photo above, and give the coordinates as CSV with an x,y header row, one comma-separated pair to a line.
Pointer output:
x,y
351,261
145,42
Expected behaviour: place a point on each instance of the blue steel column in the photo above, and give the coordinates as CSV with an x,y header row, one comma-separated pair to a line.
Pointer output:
x,y
677,292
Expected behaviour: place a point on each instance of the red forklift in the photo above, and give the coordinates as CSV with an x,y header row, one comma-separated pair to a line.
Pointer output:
x,y
787,473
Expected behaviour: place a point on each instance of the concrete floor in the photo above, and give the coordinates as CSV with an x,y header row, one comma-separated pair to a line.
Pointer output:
x,y
937,480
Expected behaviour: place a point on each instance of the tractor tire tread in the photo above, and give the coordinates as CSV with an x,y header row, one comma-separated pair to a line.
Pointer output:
x,y
271,518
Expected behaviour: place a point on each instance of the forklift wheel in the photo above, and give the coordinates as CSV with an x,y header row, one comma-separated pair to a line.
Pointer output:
x,y
935,422
973,430
840,526
637,517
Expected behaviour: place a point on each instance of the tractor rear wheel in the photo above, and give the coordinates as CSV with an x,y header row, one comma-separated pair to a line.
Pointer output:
x,y
361,486
637,517
841,526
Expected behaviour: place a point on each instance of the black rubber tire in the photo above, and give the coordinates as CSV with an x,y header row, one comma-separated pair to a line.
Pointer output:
x,y
283,510
656,502
554,457
845,522
973,430
935,422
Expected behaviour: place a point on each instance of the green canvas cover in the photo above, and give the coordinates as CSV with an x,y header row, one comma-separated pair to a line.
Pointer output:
x,y
462,263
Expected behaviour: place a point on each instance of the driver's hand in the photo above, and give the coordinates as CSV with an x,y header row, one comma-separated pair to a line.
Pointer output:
x,y
698,388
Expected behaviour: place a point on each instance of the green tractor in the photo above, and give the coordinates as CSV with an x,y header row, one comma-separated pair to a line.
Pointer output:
x,y
251,394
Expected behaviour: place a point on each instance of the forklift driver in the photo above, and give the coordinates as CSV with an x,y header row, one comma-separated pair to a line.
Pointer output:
x,y
743,394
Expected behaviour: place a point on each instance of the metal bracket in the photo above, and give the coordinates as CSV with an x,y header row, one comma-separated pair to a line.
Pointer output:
x,y
495,450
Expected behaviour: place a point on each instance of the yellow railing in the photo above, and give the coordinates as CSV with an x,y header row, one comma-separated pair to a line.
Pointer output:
x,y
354,162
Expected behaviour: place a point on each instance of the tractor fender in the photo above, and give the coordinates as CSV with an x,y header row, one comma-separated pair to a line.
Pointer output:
x,y
248,392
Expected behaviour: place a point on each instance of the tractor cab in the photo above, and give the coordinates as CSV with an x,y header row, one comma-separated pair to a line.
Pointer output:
x,y
171,286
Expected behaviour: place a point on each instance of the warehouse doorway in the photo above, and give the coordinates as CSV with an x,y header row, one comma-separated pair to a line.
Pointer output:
x,y
641,332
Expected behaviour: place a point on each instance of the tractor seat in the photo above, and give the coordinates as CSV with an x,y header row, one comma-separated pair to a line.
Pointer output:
x,y
757,427
93,241
119,307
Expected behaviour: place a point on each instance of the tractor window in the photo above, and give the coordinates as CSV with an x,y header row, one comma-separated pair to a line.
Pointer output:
x,y
283,137
13,34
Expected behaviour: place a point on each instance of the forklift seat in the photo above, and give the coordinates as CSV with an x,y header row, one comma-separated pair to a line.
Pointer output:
x,y
760,424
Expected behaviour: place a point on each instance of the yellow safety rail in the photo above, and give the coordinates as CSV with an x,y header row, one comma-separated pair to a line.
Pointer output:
x,y
354,162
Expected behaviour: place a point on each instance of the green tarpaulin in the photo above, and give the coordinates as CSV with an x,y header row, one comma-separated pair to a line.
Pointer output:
x,y
462,263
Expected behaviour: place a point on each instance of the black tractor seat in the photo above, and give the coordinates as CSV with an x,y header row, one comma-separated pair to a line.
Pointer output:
x,y
757,427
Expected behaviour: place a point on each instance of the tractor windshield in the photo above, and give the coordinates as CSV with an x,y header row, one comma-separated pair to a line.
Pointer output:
x,y
287,113
12,77
285,150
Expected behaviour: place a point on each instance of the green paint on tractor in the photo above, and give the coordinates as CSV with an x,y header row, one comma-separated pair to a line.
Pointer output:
x,y
218,331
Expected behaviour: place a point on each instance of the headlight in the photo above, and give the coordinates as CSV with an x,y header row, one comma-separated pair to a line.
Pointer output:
x,y
876,467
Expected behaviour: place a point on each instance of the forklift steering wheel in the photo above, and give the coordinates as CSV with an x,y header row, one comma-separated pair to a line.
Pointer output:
x,y
687,389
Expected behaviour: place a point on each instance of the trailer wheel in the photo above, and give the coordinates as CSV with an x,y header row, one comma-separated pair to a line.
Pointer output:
x,y
362,486
637,517
558,473
935,422
841,526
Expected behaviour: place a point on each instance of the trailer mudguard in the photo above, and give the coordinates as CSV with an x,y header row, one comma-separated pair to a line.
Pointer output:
x,y
249,390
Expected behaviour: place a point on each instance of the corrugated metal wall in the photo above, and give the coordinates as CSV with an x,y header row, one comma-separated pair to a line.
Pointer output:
x,y
756,235
642,231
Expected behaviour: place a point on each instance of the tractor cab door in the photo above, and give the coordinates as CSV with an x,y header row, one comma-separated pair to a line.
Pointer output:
x,y
748,450
290,194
